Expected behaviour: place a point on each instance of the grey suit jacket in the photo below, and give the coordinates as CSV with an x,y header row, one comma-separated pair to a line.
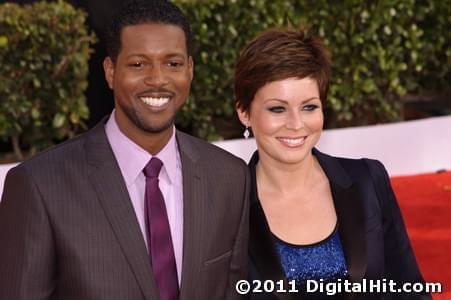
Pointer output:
x,y
68,229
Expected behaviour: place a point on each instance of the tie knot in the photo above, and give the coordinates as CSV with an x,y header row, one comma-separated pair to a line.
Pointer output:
x,y
153,167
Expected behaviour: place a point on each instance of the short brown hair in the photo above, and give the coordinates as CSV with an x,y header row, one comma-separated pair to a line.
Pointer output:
x,y
277,54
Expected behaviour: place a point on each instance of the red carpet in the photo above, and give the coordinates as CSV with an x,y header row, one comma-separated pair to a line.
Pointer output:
x,y
425,202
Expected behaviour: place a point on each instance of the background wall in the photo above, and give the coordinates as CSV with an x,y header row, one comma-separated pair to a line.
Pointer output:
x,y
405,148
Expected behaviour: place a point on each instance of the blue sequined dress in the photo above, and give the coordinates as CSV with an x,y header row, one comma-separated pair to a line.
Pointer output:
x,y
323,261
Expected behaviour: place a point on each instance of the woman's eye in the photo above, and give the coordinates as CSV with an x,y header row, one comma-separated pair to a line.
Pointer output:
x,y
276,109
310,107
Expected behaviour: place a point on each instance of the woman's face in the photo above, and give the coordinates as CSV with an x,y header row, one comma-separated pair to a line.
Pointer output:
x,y
286,119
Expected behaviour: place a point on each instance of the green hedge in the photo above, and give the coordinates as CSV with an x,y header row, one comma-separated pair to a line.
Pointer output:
x,y
44,53
381,51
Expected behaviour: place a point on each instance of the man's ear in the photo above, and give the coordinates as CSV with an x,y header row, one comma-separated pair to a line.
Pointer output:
x,y
108,68
191,66
243,116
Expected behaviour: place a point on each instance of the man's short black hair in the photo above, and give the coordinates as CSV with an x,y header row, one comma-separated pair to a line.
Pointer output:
x,y
136,12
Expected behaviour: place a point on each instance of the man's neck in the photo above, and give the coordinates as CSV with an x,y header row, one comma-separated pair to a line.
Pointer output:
x,y
149,141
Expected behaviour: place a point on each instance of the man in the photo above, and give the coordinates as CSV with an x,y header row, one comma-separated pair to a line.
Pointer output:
x,y
132,209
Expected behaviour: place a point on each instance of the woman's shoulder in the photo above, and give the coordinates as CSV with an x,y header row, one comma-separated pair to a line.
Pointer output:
x,y
353,165
364,172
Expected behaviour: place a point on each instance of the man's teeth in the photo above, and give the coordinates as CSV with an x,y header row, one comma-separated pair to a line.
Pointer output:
x,y
293,142
153,101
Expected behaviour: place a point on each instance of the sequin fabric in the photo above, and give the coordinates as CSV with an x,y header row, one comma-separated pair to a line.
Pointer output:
x,y
323,260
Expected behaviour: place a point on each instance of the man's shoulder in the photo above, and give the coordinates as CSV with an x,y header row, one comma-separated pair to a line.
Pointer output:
x,y
207,151
70,151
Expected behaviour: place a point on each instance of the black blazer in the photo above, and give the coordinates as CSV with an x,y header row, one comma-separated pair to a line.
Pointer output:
x,y
373,235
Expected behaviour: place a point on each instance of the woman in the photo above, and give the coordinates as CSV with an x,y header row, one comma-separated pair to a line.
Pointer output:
x,y
313,216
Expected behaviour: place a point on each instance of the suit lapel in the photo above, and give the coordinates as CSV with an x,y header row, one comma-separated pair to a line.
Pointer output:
x,y
113,196
194,198
350,213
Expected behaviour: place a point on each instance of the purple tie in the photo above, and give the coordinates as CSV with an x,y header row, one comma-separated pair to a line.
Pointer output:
x,y
159,234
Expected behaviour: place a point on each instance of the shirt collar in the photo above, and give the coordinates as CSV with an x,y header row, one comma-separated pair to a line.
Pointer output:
x,y
132,158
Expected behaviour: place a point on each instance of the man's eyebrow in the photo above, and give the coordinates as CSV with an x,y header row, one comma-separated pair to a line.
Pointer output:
x,y
133,55
170,55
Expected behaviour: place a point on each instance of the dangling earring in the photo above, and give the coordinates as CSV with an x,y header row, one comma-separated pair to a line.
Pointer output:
x,y
246,133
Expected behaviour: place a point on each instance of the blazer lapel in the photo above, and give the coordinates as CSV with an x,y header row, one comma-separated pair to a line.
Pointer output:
x,y
350,213
194,197
106,178
261,245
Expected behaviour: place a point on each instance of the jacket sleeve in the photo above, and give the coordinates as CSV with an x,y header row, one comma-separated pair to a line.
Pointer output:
x,y
26,244
239,262
400,262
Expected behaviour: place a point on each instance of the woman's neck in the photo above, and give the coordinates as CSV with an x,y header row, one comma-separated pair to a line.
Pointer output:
x,y
284,178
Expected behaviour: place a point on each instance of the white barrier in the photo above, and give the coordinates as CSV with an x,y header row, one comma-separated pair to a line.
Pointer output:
x,y
4,168
404,148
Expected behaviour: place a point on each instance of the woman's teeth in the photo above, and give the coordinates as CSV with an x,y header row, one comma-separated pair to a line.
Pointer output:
x,y
293,142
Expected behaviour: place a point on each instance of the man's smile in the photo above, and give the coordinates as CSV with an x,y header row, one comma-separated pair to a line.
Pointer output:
x,y
155,101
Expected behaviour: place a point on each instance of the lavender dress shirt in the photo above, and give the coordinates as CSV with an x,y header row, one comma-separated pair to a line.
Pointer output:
x,y
132,159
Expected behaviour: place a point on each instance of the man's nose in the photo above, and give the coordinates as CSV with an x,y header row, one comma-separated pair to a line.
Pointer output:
x,y
155,76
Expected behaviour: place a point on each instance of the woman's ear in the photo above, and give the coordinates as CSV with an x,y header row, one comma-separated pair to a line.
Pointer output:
x,y
243,116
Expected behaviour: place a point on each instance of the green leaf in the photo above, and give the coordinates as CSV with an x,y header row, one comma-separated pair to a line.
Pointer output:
x,y
3,41
58,120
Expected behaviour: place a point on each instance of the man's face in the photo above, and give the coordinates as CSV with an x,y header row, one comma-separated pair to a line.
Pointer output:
x,y
150,79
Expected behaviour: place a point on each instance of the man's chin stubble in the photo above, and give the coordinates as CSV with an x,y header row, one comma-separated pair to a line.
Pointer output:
x,y
150,128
